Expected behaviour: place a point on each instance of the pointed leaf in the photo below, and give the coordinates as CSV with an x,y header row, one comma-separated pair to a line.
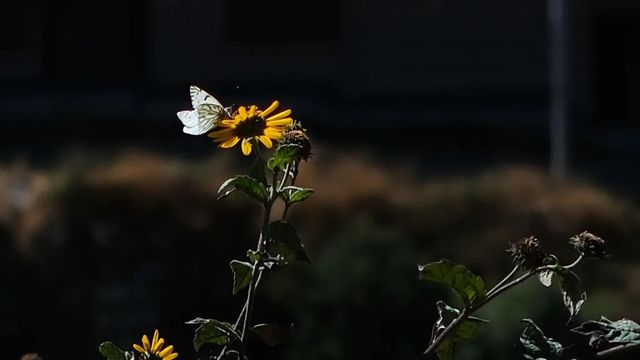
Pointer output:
x,y
242,274
538,346
606,332
545,277
294,194
573,295
245,184
470,287
212,331
284,242
284,155
112,352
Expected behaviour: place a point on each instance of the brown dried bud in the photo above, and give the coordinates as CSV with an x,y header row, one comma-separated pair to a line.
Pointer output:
x,y
298,136
527,253
589,245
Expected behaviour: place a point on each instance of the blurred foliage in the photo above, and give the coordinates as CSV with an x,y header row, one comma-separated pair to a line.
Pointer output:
x,y
120,246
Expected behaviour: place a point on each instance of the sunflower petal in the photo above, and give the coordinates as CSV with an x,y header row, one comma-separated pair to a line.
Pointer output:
x,y
273,133
158,345
252,110
170,357
274,105
168,350
280,115
281,122
246,146
145,342
231,142
266,141
242,111
138,348
156,336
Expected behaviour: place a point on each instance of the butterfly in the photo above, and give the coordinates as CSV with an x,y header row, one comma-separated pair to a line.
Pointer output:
x,y
206,113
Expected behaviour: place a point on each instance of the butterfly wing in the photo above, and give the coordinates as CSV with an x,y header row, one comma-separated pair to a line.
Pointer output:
x,y
207,111
201,97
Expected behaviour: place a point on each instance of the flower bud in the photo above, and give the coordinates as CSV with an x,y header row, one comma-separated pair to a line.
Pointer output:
x,y
527,253
589,245
298,136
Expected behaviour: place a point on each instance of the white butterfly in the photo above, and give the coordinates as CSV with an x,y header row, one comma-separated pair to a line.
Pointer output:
x,y
206,113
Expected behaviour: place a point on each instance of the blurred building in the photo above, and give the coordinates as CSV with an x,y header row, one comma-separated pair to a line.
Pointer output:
x,y
434,67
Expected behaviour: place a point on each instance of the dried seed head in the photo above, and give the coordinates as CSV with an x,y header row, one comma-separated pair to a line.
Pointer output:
x,y
297,135
527,253
589,245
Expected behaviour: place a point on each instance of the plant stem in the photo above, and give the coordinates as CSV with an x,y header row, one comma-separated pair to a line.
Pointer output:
x,y
256,265
617,350
506,278
492,294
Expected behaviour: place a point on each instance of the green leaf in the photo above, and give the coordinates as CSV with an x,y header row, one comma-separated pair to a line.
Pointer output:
x,y
573,295
466,331
212,332
254,255
112,352
294,194
470,287
273,334
245,184
606,332
545,277
242,274
285,243
536,345
284,155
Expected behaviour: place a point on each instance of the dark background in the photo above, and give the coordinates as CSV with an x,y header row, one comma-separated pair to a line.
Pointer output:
x,y
431,129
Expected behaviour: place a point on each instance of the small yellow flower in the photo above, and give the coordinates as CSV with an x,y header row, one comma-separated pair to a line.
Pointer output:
x,y
154,349
250,125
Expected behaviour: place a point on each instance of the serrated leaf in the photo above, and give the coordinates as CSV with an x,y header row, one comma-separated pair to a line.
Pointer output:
x,y
573,295
470,287
212,331
284,155
294,194
466,331
242,274
273,334
545,277
285,243
112,352
245,184
605,331
538,346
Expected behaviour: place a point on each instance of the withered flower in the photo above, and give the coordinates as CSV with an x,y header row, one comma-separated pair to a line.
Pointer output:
x,y
589,245
527,253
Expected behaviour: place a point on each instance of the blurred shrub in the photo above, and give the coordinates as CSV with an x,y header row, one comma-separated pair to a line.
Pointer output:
x,y
117,247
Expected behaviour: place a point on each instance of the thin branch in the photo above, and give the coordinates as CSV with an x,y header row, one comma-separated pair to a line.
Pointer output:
x,y
492,294
506,278
621,349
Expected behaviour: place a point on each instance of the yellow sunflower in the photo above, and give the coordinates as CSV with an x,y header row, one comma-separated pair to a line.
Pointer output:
x,y
251,125
153,350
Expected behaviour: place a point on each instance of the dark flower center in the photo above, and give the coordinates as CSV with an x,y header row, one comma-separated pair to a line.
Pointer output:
x,y
253,126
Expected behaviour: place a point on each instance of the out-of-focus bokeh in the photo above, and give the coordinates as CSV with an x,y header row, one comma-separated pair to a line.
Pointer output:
x,y
441,128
